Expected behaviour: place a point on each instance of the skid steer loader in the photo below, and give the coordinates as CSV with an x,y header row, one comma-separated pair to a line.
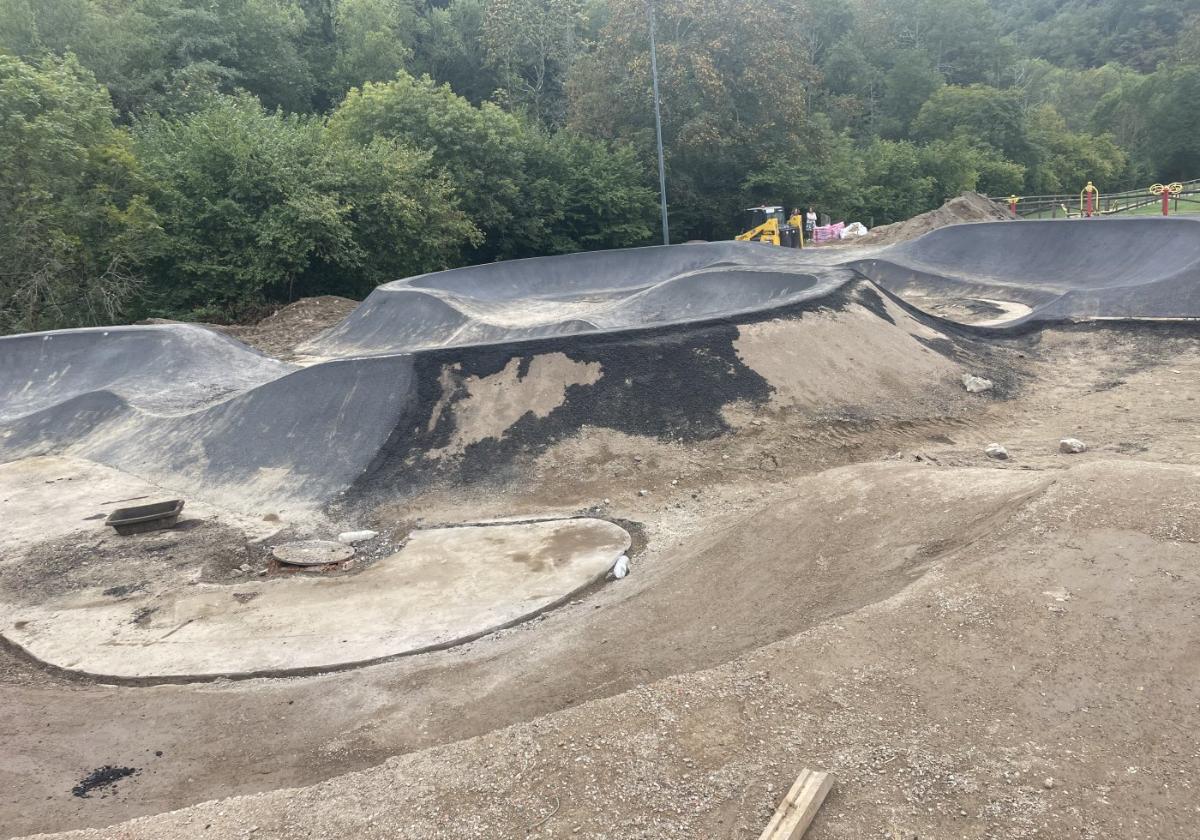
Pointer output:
x,y
771,225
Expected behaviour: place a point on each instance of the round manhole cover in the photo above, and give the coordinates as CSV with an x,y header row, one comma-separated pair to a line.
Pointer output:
x,y
312,552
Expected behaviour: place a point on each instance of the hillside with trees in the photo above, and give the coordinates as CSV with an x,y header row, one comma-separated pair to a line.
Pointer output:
x,y
208,159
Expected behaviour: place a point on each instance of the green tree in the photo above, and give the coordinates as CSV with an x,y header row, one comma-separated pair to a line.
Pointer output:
x,y
594,195
29,28
155,54
1090,33
1172,123
911,81
530,44
830,174
1154,118
1187,46
733,84
1066,159
266,58
259,206
960,37
897,185
450,50
481,149
374,41
980,113
1074,94
76,225
853,87
958,165
503,170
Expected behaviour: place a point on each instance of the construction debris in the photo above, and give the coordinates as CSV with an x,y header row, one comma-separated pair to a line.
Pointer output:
x,y
976,384
620,568
144,518
799,807
356,537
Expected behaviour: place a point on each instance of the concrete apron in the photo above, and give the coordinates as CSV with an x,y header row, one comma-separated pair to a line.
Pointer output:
x,y
445,587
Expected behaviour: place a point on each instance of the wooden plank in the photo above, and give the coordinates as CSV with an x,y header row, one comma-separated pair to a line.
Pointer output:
x,y
795,813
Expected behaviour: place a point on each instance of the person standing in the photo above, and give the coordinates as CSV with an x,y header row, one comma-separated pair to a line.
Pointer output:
x,y
810,223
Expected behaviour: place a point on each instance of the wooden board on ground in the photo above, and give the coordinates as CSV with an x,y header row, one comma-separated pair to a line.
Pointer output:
x,y
795,813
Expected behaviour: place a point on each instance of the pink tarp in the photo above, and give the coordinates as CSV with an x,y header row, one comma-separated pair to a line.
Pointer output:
x,y
828,233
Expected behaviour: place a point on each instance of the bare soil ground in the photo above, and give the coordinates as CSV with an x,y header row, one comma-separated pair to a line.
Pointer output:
x,y
975,648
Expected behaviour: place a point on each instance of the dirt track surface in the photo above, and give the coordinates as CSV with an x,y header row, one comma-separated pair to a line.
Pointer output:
x,y
982,701
942,631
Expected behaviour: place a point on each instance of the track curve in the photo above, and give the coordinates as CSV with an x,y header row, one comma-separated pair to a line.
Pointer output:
x,y
1063,270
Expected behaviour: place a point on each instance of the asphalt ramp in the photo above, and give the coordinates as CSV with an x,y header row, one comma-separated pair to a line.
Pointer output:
x,y
198,411
1057,270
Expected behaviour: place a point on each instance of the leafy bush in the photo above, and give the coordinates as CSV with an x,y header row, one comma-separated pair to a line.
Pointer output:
x,y
262,206
77,227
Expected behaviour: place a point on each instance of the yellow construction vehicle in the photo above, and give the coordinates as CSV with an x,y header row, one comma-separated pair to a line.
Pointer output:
x,y
772,226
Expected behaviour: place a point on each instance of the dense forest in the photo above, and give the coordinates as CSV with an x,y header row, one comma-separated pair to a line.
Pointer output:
x,y
207,159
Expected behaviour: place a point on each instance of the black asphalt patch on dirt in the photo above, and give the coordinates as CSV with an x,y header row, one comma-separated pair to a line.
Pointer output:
x,y
102,781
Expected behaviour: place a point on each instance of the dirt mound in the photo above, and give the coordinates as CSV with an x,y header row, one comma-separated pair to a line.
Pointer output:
x,y
281,332
968,207
486,412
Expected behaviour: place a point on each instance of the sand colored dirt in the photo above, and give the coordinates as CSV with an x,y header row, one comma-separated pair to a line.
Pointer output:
x,y
944,707
829,361
492,404
281,332
968,207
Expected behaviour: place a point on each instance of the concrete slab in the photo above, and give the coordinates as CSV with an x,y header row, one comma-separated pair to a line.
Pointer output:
x,y
446,586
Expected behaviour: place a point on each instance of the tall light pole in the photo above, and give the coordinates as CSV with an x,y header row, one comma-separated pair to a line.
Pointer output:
x,y
662,171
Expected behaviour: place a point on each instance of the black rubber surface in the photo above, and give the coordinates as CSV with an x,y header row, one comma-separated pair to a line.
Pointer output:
x,y
195,409
1064,270
162,369
602,291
